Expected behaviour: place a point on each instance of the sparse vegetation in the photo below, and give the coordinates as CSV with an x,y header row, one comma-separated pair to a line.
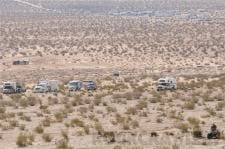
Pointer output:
x,y
47,137
130,53
24,139
39,129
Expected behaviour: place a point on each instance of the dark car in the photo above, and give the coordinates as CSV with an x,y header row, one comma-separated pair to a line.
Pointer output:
x,y
20,89
19,62
89,85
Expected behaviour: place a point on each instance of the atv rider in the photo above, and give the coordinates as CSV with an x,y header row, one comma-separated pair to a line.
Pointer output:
x,y
214,133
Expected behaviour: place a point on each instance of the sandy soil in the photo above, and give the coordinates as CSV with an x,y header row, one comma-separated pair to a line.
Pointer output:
x,y
126,108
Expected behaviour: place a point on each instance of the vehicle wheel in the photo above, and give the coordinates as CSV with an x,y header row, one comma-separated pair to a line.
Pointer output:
x,y
209,136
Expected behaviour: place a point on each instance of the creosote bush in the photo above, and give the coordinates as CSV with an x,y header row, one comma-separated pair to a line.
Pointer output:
x,y
183,127
24,139
39,129
47,137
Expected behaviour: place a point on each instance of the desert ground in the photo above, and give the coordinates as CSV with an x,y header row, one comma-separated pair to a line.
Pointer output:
x,y
126,111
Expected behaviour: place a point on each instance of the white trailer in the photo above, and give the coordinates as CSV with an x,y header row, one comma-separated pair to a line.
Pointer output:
x,y
9,87
44,86
54,85
167,83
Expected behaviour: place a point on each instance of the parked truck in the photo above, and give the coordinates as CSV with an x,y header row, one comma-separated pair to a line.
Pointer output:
x,y
167,83
89,85
11,87
74,85
45,86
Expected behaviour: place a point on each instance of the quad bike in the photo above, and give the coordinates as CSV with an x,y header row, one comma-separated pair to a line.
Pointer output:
x,y
213,135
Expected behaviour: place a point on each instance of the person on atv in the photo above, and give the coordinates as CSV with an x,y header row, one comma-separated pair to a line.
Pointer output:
x,y
214,133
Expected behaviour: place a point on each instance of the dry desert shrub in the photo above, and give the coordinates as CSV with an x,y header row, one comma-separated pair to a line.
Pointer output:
x,y
120,86
23,102
32,101
159,120
211,111
22,127
25,118
125,126
24,139
63,144
183,127
175,115
7,115
132,111
110,109
134,124
97,101
39,129
206,97
220,105
2,110
13,123
52,100
76,122
99,128
194,121
117,147
222,135
59,116
175,146
47,121
47,137
77,101
189,105
6,127
83,110
142,104
64,134
197,133
1,96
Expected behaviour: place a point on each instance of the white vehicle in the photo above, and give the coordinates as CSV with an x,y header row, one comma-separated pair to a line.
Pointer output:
x,y
74,85
46,86
167,83
11,87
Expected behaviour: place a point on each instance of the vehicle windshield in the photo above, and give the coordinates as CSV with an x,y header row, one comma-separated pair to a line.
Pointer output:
x,y
73,83
8,87
38,87
41,85
164,84
162,81
89,82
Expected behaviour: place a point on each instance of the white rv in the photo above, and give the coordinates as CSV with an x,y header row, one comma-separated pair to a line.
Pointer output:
x,y
11,87
46,86
167,83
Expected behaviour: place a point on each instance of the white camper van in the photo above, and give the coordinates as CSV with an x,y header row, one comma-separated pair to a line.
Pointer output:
x,y
167,83
46,86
